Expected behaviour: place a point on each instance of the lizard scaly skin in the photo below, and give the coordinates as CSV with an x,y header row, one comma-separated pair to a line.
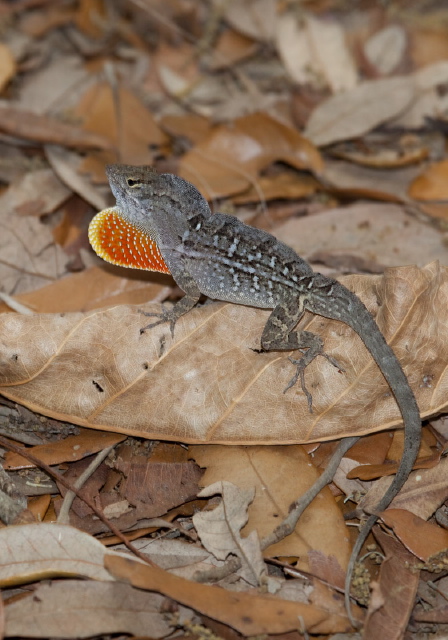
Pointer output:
x,y
162,223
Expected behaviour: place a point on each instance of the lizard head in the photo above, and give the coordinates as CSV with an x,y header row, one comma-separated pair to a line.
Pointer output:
x,y
151,215
141,190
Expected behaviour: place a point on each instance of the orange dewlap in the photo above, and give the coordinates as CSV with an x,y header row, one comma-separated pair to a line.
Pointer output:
x,y
121,243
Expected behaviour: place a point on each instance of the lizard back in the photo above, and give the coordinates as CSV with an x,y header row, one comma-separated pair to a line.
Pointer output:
x,y
244,265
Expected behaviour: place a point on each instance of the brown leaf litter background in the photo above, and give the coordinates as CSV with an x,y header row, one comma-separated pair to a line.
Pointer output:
x,y
324,124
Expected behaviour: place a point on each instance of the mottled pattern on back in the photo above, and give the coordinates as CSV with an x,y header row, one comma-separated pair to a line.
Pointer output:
x,y
231,261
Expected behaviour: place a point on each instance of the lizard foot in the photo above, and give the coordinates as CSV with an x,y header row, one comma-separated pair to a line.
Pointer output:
x,y
301,365
165,316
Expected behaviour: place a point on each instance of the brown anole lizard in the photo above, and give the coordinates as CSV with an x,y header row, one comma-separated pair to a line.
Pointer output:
x,y
162,223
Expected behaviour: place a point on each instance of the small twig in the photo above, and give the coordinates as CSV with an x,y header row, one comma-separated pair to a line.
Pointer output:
x,y
298,507
60,478
63,517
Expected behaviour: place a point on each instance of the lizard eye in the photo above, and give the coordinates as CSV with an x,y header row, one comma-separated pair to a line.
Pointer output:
x,y
132,183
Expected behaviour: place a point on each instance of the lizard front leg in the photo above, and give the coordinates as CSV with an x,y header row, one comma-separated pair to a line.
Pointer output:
x,y
278,335
185,304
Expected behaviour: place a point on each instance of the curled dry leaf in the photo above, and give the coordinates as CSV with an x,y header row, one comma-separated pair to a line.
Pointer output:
x,y
230,159
208,385
219,529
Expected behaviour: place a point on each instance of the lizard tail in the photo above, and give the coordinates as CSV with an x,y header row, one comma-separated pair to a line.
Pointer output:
x,y
365,326
345,306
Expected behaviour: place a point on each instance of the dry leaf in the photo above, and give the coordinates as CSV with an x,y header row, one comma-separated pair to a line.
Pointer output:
x,y
397,590
432,184
230,159
32,552
265,469
353,113
91,289
35,193
29,257
422,538
172,555
67,450
423,493
66,166
315,52
40,128
208,385
356,181
429,101
7,66
249,613
281,185
219,529
254,18
51,84
77,609
231,48
131,131
369,233
386,48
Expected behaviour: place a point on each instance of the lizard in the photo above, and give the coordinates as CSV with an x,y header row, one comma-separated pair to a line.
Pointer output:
x,y
163,223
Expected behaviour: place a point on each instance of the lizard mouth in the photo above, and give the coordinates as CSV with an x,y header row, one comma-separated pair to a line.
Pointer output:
x,y
119,242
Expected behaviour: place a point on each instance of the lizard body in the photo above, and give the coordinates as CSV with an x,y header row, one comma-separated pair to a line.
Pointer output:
x,y
221,257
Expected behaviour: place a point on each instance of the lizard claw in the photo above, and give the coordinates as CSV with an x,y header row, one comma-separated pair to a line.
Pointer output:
x,y
165,316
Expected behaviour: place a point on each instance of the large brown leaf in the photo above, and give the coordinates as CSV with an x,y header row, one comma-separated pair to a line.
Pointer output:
x,y
207,385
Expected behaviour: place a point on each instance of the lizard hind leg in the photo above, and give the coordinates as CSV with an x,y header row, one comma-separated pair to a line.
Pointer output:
x,y
279,335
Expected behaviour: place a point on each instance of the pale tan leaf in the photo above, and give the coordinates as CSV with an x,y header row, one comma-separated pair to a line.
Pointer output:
x,y
219,529
353,113
39,551
78,609
385,49
314,51
429,101
208,385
